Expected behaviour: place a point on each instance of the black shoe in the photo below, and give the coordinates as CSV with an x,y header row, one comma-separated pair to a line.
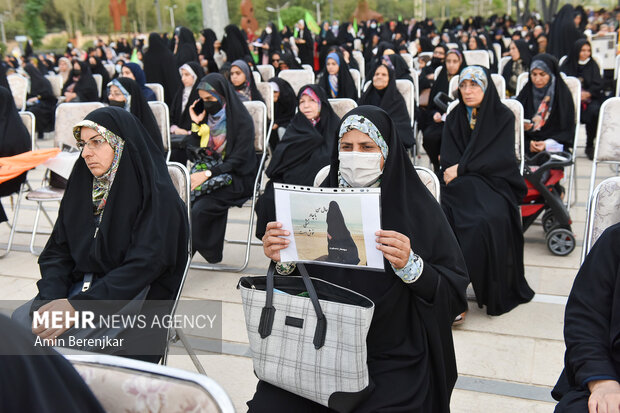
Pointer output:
x,y
590,152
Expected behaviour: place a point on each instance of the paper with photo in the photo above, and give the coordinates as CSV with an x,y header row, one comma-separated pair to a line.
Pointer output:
x,y
330,226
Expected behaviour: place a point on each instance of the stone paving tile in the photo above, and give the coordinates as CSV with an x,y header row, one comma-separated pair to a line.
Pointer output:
x,y
467,402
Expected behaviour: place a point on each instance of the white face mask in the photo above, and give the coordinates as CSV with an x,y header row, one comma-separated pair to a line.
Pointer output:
x,y
268,30
360,169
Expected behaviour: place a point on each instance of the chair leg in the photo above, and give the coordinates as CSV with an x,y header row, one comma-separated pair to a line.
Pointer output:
x,y
34,229
192,354
15,217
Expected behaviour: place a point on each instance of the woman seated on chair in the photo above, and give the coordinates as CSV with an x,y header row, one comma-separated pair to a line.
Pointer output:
x,y
411,358
304,149
383,93
580,64
121,224
284,105
432,118
14,139
548,108
520,62
591,377
134,71
80,85
41,100
243,82
125,93
481,192
335,77
224,162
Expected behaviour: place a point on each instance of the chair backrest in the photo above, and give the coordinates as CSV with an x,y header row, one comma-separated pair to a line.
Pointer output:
x,y
452,105
307,67
603,212
617,69
408,59
426,54
67,115
406,88
99,81
502,63
297,78
342,105
357,80
56,82
162,116
608,132
477,57
437,72
157,89
562,59
430,180
574,85
500,84
257,76
506,41
522,81
498,53
258,111
30,123
266,71
119,382
416,85
453,87
452,46
19,88
359,58
110,68
357,44
266,92
517,109
599,62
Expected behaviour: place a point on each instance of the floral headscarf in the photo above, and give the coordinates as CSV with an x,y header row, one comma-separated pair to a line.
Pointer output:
x,y
477,75
308,91
103,183
124,91
543,97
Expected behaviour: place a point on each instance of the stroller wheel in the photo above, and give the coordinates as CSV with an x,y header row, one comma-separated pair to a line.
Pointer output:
x,y
548,220
561,241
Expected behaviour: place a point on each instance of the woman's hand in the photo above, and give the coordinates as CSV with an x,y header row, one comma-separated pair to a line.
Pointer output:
x,y
395,247
450,174
604,397
527,126
70,96
437,117
273,240
585,95
60,307
537,146
196,179
196,118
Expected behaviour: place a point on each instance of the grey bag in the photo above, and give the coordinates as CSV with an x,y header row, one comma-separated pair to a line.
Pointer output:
x,y
313,344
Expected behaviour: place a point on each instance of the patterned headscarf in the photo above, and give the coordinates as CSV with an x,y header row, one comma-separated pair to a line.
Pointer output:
x,y
124,91
245,93
103,183
475,74
543,97
213,134
308,91
333,79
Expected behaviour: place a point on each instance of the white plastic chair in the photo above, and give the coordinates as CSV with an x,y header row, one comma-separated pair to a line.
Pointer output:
x,y
342,106
502,63
266,72
477,57
437,72
99,81
521,82
498,54
500,84
408,59
517,109
57,84
359,58
297,78
603,212
407,90
157,89
562,59
430,180
574,85
162,116
20,85
453,86
257,77
357,80
307,67
111,69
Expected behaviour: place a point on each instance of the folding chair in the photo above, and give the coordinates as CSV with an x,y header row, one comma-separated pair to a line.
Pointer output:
x,y
67,115
575,88
357,80
407,90
500,84
430,180
452,105
437,72
266,72
110,376
162,116
603,212
562,59
258,111
157,89
342,105
29,121
502,63
517,109
607,143
453,87
297,78
359,58
257,76
408,59
477,57
308,68
20,85
57,84
111,69
99,81
522,81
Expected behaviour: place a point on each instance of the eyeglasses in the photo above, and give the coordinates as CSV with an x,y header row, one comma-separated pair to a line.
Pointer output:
x,y
92,144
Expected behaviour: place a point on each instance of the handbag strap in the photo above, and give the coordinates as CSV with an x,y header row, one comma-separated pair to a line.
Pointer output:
x,y
268,312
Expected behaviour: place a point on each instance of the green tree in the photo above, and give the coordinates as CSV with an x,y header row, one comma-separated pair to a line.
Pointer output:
x,y
34,25
193,15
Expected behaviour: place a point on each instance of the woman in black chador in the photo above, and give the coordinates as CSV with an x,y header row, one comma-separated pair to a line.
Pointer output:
x,y
591,376
340,245
166,75
481,191
185,46
411,358
564,32
41,100
336,79
80,85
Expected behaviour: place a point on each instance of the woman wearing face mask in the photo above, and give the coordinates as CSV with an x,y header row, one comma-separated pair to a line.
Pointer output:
x,y
411,358
580,64
284,105
223,135
304,149
166,75
384,94
548,104
481,192
271,41
326,40
80,85
432,119
243,82
519,63
336,79
125,93
180,120
427,76
134,71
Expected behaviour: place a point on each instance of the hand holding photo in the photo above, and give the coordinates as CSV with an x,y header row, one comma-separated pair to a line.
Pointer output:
x,y
331,226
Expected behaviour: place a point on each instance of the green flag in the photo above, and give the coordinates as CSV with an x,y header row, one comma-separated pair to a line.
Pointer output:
x,y
254,57
355,25
400,17
280,24
311,23
134,56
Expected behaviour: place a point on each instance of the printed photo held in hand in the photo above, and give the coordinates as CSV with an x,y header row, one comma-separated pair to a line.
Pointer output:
x,y
329,226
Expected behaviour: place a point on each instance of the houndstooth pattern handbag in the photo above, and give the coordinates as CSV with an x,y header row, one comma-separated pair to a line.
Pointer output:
x,y
313,344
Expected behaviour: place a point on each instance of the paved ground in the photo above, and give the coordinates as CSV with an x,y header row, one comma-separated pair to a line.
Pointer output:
x,y
506,364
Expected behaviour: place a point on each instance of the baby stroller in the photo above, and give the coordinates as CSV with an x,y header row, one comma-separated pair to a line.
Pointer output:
x,y
542,174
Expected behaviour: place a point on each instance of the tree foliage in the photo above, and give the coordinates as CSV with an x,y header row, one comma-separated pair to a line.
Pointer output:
x,y
32,20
